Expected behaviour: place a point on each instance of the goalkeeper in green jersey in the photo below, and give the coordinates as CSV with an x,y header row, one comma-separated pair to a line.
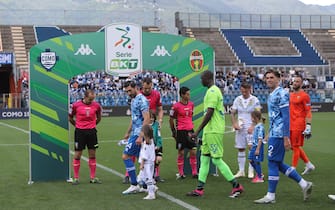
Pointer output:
x,y
213,125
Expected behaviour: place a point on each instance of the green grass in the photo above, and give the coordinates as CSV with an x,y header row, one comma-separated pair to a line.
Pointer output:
x,y
15,193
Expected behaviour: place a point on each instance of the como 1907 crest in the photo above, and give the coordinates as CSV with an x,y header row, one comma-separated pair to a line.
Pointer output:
x,y
48,59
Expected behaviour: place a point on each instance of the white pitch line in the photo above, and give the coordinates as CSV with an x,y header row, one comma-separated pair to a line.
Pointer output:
x,y
160,193
9,145
17,128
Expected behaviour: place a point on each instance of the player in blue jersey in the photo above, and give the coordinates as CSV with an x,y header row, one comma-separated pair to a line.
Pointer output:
x,y
278,140
139,116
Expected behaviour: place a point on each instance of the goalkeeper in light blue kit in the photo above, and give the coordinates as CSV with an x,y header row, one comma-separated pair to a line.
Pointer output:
x,y
279,141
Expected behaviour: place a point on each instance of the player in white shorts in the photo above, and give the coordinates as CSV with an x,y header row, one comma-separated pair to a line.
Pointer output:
x,y
243,105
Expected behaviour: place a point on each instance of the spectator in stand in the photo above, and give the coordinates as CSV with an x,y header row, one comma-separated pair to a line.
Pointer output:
x,y
105,85
306,84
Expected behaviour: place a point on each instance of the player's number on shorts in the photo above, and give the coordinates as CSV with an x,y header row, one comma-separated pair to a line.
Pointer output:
x,y
270,150
214,148
128,146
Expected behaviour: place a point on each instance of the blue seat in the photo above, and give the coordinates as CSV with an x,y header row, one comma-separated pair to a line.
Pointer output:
x,y
226,100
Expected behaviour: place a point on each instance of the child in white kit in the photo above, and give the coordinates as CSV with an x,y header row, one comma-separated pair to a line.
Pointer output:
x,y
147,161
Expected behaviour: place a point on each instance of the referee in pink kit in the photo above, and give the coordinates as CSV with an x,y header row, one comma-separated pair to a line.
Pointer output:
x,y
85,115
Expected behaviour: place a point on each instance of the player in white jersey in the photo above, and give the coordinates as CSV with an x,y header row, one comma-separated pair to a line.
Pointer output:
x,y
241,110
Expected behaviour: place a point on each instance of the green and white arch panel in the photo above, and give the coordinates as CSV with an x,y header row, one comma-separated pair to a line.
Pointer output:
x,y
54,62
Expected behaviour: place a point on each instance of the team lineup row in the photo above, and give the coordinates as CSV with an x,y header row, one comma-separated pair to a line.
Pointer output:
x,y
284,133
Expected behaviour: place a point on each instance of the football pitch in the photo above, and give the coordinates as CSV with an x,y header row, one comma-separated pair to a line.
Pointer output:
x,y
15,193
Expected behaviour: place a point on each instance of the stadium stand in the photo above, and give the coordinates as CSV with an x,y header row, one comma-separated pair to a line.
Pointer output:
x,y
29,37
252,46
109,89
308,56
259,46
7,40
13,40
19,46
79,29
324,41
20,38
47,32
223,54
153,29
1,43
271,46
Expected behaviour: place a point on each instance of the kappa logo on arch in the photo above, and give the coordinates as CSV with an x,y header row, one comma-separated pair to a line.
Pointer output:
x,y
85,49
160,51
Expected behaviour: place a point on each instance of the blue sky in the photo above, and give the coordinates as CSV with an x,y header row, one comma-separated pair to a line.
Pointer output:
x,y
319,2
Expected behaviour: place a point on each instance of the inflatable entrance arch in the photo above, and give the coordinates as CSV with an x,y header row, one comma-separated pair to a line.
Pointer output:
x,y
55,61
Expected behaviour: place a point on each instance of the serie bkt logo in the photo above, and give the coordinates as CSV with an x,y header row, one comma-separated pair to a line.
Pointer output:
x,y
124,63
123,49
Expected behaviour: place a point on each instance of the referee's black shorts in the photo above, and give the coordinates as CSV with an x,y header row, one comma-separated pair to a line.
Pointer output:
x,y
85,138
184,141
